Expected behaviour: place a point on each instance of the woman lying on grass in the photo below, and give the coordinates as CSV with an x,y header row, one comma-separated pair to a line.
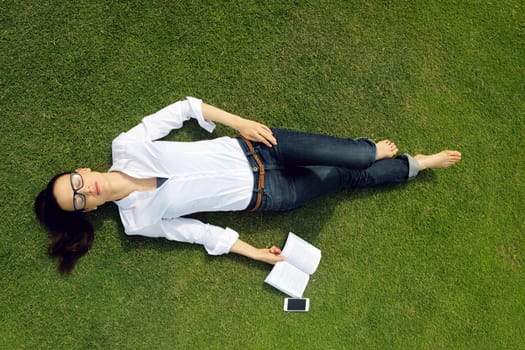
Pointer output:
x,y
156,183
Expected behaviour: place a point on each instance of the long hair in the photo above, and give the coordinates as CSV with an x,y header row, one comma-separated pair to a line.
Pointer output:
x,y
71,233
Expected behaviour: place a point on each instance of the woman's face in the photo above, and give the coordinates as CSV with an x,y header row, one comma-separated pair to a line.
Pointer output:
x,y
81,190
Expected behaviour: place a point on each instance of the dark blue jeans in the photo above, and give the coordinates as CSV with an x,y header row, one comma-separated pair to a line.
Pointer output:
x,y
304,166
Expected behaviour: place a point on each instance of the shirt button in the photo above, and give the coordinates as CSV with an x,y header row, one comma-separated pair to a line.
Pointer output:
x,y
255,168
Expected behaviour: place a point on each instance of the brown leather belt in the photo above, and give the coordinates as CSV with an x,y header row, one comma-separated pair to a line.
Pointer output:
x,y
260,184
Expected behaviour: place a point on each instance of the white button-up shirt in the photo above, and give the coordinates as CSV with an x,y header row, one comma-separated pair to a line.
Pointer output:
x,y
203,176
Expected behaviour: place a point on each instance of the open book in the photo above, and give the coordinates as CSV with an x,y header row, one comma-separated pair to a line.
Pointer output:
x,y
292,275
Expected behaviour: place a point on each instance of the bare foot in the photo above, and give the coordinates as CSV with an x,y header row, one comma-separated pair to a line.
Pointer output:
x,y
385,149
443,159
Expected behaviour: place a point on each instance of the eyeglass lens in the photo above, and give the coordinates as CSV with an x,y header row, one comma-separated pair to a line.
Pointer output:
x,y
76,181
79,200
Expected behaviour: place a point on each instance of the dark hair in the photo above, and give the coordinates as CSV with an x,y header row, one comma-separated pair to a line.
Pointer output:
x,y
72,234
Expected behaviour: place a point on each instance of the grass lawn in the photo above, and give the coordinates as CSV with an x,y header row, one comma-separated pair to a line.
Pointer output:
x,y
434,264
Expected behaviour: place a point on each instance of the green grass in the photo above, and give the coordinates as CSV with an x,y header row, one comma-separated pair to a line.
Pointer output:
x,y
434,264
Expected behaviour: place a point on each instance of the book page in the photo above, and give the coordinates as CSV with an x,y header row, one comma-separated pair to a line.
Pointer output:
x,y
288,279
301,254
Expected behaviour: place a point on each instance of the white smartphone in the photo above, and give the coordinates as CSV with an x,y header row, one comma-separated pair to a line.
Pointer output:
x,y
296,304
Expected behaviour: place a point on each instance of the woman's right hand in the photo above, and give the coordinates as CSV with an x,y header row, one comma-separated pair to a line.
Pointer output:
x,y
255,131
249,129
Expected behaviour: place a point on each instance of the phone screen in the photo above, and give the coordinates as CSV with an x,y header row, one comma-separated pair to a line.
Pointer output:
x,y
296,304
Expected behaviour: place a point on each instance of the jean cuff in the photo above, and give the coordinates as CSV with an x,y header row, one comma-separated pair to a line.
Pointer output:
x,y
413,166
371,142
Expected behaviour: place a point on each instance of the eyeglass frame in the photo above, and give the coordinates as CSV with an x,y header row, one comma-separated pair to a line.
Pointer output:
x,y
76,194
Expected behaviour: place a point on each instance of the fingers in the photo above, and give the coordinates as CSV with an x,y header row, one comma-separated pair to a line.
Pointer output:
x,y
276,254
271,255
272,259
260,133
265,135
274,250
278,258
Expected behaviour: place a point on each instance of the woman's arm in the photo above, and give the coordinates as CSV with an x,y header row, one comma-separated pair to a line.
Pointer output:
x,y
159,124
249,129
267,255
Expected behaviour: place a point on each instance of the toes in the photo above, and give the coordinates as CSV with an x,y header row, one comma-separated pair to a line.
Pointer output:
x,y
387,149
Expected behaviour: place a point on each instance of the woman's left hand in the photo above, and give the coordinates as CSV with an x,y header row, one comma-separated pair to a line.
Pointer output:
x,y
255,131
270,255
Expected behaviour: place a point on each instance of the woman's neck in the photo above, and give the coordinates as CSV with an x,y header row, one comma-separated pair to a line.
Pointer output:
x,y
122,185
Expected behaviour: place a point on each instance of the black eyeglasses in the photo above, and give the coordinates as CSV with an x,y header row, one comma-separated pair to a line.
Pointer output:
x,y
79,200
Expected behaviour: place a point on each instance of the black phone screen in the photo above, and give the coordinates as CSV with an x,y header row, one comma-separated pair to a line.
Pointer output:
x,y
296,304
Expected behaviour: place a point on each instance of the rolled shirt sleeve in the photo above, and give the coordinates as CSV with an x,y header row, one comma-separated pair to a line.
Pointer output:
x,y
158,125
216,240
196,113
